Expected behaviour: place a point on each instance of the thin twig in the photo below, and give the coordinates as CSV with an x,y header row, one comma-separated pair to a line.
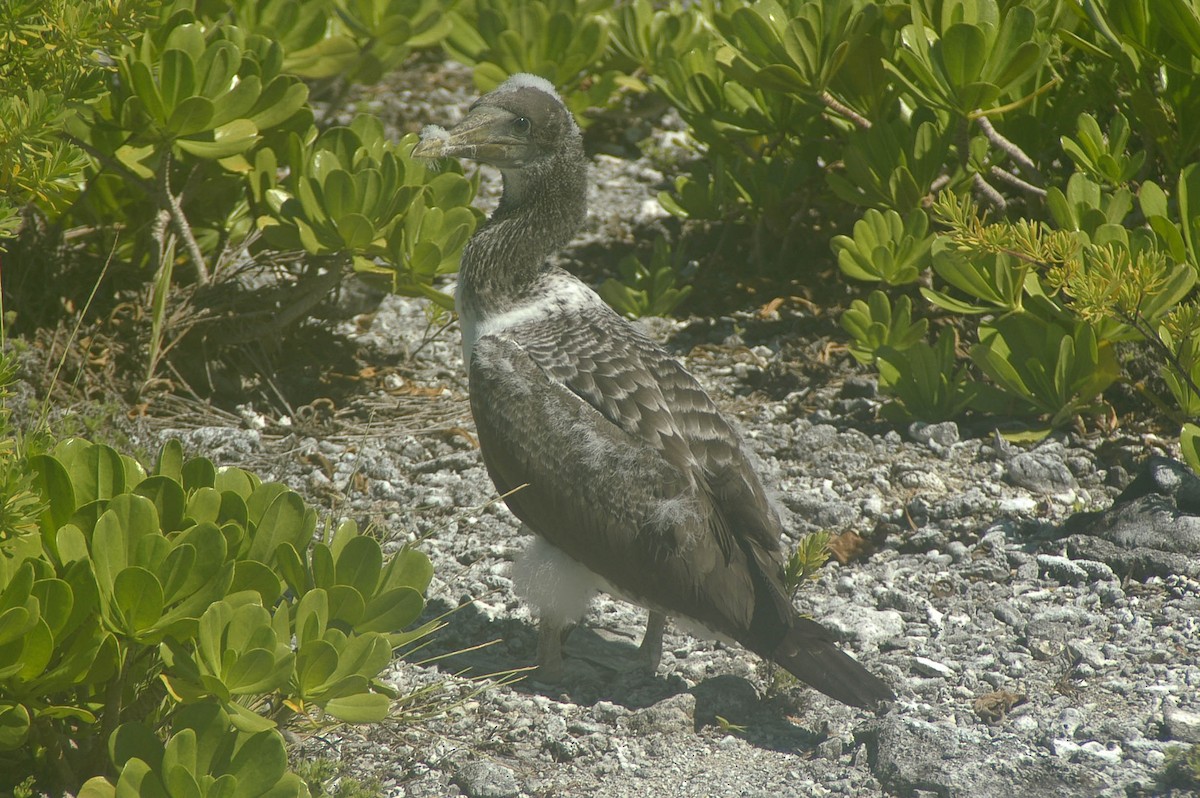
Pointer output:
x,y
180,223
1016,182
1009,148
838,106
1138,322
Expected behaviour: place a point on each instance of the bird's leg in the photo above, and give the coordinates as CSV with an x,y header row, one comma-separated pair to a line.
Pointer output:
x,y
550,660
652,643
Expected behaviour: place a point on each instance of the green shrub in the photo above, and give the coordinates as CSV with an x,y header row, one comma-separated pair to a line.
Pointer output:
x,y
192,597
202,152
1182,767
564,41
647,290
1086,240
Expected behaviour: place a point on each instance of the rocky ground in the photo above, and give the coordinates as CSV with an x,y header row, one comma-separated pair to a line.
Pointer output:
x,y
1026,662
1031,657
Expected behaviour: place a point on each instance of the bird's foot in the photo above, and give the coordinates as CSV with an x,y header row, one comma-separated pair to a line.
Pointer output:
x,y
550,657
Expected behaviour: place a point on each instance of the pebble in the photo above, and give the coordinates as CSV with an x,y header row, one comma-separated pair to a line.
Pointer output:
x,y
929,667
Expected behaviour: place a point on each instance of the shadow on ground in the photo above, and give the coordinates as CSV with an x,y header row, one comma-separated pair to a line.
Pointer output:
x,y
603,665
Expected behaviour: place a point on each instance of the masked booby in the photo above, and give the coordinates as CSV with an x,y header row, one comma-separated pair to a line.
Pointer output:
x,y
634,482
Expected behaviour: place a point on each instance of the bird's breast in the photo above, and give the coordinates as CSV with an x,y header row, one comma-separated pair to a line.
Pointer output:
x,y
560,298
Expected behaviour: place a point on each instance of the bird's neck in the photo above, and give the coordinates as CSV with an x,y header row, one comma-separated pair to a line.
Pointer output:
x,y
537,215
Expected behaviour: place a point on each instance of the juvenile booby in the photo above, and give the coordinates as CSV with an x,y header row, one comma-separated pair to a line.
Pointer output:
x,y
633,481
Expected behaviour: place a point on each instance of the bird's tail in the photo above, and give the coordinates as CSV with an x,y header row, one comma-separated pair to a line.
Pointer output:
x,y
807,652
805,648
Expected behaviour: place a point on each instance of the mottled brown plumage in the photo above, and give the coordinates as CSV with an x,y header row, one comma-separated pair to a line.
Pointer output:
x,y
607,448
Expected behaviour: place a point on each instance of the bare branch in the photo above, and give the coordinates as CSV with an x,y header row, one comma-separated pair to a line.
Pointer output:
x,y
837,106
1009,148
989,193
1016,182
180,222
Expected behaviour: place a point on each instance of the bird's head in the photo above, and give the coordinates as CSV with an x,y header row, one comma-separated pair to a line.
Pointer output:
x,y
522,125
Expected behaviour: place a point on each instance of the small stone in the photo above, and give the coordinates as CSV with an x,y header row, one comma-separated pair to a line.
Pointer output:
x,y
1064,749
1087,653
867,626
1044,650
484,779
929,667
833,748
1008,614
1017,505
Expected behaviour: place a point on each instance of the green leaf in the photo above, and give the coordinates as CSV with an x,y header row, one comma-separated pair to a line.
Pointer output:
x,y
191,116
55,601
286,520
360,708
359,564
346,605
97,787
14,726
258,763
52,482
964,50
199,473
138,596
135,741
1180,21
316,662
253,575
96,471
391,611
1189,443
408,568
167,495
170,460
229,139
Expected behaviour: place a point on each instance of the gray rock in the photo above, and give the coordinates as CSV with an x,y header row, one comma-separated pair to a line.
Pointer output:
x,y
1061,568
864,625
485,779
936,436
929,667
1181,724
1153,527
674,715
1041,471
910,754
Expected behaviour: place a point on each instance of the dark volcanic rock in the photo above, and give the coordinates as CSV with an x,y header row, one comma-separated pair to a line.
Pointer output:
x,y
1153,527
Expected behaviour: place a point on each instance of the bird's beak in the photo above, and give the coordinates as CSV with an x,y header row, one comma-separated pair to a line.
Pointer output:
x,y
481,136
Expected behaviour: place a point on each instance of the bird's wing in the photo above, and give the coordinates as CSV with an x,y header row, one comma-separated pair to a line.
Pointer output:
x,y
639,387
603,495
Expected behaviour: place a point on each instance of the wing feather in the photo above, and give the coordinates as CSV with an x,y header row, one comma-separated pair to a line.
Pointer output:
x,y
592,489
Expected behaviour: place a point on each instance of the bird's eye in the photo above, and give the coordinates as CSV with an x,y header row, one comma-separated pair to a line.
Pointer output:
x,y
521,125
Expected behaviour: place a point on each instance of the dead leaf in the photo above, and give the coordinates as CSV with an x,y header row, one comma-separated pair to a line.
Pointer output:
x,y
992,707
850,546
